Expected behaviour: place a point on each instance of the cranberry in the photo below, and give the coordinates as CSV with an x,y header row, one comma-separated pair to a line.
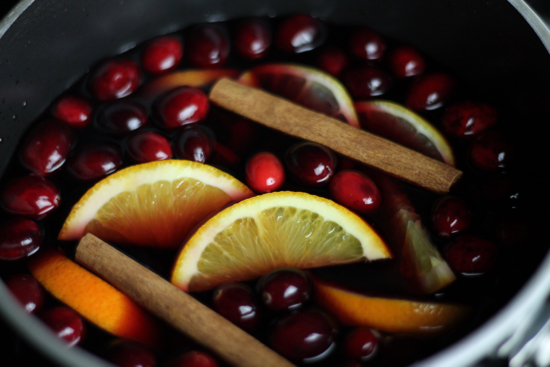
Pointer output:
x,y
236,302
115,79
332,60
19,238
264,172
356,191
148,146
162,54
194,143
66,323
74,111
512,231
406,61
193,358
95,161
121,117
430,91
181,106
208,46
502,192
310,163
31,196
299,33
367,44
367,81
285,289
490,151
252,39
129,353
466,119
450,216
361,344
27,291
471,255
304,336
46,147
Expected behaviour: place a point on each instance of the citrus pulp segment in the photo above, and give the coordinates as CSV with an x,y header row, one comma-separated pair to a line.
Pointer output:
x,y
309,87
271,231
153,204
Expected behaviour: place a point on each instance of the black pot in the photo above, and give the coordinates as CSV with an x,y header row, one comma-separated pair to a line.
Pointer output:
x,y
495,46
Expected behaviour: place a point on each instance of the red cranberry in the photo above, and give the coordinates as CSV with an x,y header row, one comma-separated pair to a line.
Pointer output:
x,y
193,358
406,61
236,302
285,289
430,91
181,106
46,147
194,143
66,323
92,162
115,79
450,216
148,146
490,151
129,353
310,163
208,46
264,172
252,39
299,33
19,238
361,344
367,44
466,119
332,60
162,54
31,196
513,231
121,117
304,336
366,81
471,255
74,111
27,291
502,192
356,191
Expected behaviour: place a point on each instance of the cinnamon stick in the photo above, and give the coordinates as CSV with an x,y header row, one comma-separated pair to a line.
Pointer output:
x,y
175,306
297,121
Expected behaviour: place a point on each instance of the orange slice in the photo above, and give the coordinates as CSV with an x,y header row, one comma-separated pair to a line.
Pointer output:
x,y
309,87
94,299
153,204
271,231
401,125
388,314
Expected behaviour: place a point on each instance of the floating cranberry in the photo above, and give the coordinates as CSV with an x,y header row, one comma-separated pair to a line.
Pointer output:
x,y
252,39
299,33
46,147
367,44
19,238
115,79
466,119
304,336
162,54
193,358
310,163
208,46
129,353
121,117
236,302
471,255
406,61
450,216
356,191
502,192
26,289
285,289
361,344
264,172
181,106
31,196
66,323
74,111
490,151
367,81
95,161
430,92
148,146
194,143
332,60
